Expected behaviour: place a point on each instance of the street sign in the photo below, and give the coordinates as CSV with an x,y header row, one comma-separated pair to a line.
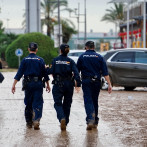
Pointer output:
x,y
19,52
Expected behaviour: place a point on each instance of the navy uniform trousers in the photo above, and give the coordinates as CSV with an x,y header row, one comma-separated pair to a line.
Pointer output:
x,y
33,101
91,92
62,96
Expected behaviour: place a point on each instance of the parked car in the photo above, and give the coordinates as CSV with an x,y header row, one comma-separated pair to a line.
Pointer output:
x,y
74,54
127,67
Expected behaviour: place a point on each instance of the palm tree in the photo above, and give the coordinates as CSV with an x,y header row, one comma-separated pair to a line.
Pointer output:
x,y
49,7
114,15
67,30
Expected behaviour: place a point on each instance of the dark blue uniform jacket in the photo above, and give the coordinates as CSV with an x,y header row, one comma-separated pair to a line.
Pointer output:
x,y
32,65
64,67
92,64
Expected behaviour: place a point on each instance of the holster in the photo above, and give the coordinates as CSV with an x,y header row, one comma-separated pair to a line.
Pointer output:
x,y
59,80
28,79
93,79
24,84
59,83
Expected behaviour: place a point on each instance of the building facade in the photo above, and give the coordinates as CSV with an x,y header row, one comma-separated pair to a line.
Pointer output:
x,y
33,22
135,26
103,41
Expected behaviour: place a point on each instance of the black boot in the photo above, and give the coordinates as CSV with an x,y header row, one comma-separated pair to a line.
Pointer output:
x,y
29,124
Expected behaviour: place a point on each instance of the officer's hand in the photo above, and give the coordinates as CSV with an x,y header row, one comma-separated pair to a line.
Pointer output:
x,y
77,89
48,89
109,89
13,89
46,66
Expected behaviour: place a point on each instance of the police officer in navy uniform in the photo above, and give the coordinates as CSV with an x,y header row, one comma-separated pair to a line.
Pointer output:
x,y
33,69
92,66
63,69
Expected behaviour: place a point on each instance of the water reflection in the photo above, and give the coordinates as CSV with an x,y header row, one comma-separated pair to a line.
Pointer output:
x,y
62,139
92,139
33,138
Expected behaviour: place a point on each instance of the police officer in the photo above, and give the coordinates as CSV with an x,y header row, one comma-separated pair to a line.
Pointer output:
x,y
33,69
92,65
63,68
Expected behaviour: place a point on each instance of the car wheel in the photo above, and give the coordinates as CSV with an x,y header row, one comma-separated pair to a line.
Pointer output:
x,y
129,88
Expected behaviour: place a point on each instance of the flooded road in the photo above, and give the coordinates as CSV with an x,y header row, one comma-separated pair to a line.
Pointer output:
x,y
126,113
123,120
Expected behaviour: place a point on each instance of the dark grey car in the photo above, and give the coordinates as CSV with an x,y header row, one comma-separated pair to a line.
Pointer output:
x,y
127,67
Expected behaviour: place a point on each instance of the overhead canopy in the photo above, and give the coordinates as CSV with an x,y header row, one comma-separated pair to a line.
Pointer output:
x,y
139,17
130,23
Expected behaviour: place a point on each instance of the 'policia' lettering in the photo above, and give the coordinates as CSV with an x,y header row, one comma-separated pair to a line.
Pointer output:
x,y
62,62
32,58
90,56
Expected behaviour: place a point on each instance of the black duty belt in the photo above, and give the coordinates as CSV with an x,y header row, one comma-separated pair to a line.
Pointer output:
x,y
33,78
94,78
59,78
65,78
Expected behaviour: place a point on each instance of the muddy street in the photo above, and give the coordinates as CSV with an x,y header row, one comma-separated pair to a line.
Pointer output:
x,y
123,120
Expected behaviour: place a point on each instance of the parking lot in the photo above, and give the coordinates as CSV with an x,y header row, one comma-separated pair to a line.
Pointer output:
x,y
123,120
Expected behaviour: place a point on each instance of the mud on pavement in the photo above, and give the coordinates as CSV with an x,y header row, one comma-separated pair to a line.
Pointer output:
x,y
123,120
126,114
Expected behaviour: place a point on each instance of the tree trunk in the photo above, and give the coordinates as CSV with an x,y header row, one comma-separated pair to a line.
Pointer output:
x,y
48,31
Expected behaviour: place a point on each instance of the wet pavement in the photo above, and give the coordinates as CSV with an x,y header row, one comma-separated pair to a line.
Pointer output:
x,y
123,120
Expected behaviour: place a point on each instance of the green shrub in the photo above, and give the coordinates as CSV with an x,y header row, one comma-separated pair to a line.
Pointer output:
x,y
46,48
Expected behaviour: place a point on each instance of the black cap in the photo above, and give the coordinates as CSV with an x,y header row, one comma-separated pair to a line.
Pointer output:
x,y
33,46
89,44
63,47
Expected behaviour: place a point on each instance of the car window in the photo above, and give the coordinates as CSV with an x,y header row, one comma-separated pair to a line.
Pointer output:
x,y
77,54
107,55
141,57
123,57
102,53
71,54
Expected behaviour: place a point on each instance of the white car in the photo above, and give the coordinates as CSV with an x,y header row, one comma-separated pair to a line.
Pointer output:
x,y
74,54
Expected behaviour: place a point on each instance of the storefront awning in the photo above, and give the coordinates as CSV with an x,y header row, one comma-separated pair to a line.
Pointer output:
x,y
139,17
130,23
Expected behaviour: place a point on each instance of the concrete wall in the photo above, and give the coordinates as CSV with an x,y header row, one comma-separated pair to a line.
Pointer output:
x,y
33,22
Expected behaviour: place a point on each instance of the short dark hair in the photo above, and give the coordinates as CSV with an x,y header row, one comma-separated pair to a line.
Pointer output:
x,y
89,44
33,46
